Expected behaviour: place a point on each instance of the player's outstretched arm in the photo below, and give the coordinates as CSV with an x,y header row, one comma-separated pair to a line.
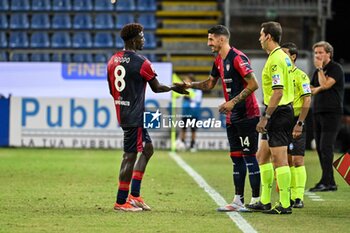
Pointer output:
x,y
158,87
205,85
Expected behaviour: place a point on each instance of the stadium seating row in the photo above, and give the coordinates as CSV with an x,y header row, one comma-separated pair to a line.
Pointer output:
x,y
77,21
64,39
65,57
77,5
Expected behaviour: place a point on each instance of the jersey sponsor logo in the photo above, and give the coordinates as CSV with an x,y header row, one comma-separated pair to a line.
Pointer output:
x,y
306,88
276,80
122,102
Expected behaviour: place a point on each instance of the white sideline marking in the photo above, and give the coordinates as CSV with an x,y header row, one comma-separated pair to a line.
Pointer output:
x,y
235,216
313,196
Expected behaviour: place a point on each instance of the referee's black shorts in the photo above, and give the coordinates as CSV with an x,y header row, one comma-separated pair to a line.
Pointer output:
x,y
297,146
279,127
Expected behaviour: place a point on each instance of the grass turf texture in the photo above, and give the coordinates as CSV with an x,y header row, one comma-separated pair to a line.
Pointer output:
x,y
47,190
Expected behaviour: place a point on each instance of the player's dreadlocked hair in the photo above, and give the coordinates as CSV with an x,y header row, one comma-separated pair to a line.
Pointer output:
x,y
130,31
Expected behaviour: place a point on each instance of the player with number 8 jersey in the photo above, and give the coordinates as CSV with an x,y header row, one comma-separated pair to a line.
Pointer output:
x,y
128,74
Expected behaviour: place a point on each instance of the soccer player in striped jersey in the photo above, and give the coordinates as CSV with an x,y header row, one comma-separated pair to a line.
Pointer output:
x,y
234,70
128,75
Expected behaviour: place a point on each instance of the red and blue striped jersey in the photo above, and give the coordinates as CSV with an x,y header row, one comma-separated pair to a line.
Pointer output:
x,y
128,74
232,71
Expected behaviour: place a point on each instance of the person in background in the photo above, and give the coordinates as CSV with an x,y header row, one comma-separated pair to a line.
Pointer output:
x,y
128,74
327,86
191,107
234,69
296,150
276,123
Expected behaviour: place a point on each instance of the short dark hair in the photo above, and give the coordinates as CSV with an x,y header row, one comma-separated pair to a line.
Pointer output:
x,y
292,48
219,30
274,29
130,31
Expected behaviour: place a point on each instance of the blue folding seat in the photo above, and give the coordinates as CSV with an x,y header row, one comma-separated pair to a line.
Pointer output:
x,y
18,39
150,40
104,21
148,21
146,5
3,21
103,40
61,5
20,5
100,58
103,6
41,5
61,21
40,40
65,57
40,57
83,57
4,5
82,40
4,56
119,43
40,21
61,40
84,5
123,19
3,40
126,5
82,21
19,57
19,21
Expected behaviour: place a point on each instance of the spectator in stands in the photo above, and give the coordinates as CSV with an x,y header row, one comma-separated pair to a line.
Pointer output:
x,y
241,108
191,106
327,85
276,123
296,150
128,74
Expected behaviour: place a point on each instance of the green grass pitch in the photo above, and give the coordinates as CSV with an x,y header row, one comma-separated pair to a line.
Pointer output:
x,y
49,190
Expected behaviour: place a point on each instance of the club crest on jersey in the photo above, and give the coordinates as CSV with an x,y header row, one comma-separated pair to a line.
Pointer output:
x,y
227,67
276,80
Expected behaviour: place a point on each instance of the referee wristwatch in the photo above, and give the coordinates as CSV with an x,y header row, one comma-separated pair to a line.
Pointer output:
x,y
300,123
319,69
267,116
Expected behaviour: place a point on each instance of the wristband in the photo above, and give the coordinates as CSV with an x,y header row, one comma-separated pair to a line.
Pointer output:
x,y
319,69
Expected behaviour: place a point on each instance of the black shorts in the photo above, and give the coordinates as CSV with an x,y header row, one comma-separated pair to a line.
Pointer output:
x,y
279,127
297,146
191,119
134,138
243,136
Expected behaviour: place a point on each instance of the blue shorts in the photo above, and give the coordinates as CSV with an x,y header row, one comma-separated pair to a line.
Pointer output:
x,y
134,138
